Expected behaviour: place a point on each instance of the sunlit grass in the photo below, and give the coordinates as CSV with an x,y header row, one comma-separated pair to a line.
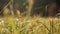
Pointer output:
x,y
23,25
28,25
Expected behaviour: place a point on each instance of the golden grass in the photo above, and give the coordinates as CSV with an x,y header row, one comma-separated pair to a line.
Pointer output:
x,y
29,25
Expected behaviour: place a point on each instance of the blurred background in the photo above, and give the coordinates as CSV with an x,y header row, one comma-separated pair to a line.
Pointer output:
x,y
42,8
29,16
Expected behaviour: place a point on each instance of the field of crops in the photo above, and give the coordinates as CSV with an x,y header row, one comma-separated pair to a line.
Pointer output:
x,y
29,25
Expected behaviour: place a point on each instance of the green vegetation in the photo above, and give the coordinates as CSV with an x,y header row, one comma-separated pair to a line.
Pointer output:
x,y
24,25
21,24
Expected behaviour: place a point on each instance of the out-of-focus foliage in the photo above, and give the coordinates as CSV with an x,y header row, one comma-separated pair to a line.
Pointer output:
x,y
24,25
3,3
20,24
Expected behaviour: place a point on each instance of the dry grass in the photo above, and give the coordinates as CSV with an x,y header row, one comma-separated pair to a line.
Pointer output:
x,y
29,25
